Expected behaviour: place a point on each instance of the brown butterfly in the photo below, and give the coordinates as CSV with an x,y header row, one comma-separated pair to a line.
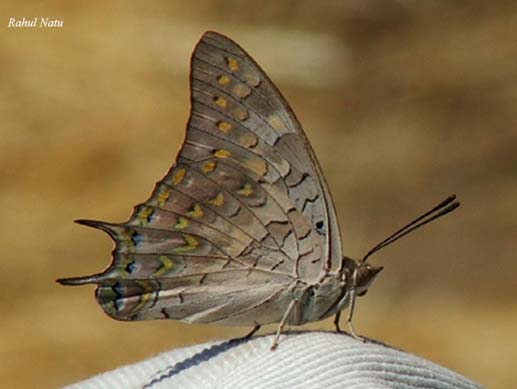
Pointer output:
x,y
242,230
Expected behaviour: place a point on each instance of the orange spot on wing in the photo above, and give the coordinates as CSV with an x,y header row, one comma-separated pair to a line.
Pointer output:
x,y
208,167
196,212
221,153
246,190
163,196
144,215
220,102
224,126
181,223
232,64
217,200
178,176
223,80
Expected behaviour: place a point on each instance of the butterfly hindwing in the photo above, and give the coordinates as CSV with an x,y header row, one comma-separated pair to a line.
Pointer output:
x,y
195,298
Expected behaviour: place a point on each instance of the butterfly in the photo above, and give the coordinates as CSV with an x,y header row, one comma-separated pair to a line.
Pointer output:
x,y
242,230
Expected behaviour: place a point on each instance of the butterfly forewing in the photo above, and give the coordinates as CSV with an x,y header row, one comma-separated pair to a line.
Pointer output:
x,y
241,104
241,216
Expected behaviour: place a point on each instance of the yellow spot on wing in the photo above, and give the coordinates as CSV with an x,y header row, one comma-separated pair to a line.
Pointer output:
x,y
163,196
232,64
190,240
181,223
178,176
221,153
190,244
142,300
221,102
144,215
208,166
217,200
143,297
167,265
196,212
223,80
126,240
246,190
224,126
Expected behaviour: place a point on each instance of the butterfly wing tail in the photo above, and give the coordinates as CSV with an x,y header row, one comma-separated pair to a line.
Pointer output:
x,y
92,278
74,281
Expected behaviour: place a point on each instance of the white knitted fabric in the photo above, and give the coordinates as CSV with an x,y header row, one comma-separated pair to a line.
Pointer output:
x,y
302,360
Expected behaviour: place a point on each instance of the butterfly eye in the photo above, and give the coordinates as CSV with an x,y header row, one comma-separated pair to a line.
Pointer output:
x,y
320,227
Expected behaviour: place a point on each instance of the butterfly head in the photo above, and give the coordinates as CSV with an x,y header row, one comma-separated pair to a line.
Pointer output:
x,y
361,273
364,274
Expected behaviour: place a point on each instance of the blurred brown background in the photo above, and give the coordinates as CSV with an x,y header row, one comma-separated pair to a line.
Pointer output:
x,y
404,102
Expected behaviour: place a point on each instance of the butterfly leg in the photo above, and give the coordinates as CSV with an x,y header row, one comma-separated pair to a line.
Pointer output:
x,y
342,303
247,336
336,323
252,332
350,315
282,324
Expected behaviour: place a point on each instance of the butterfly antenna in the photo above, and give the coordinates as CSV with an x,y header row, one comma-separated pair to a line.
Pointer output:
x,y
446,206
